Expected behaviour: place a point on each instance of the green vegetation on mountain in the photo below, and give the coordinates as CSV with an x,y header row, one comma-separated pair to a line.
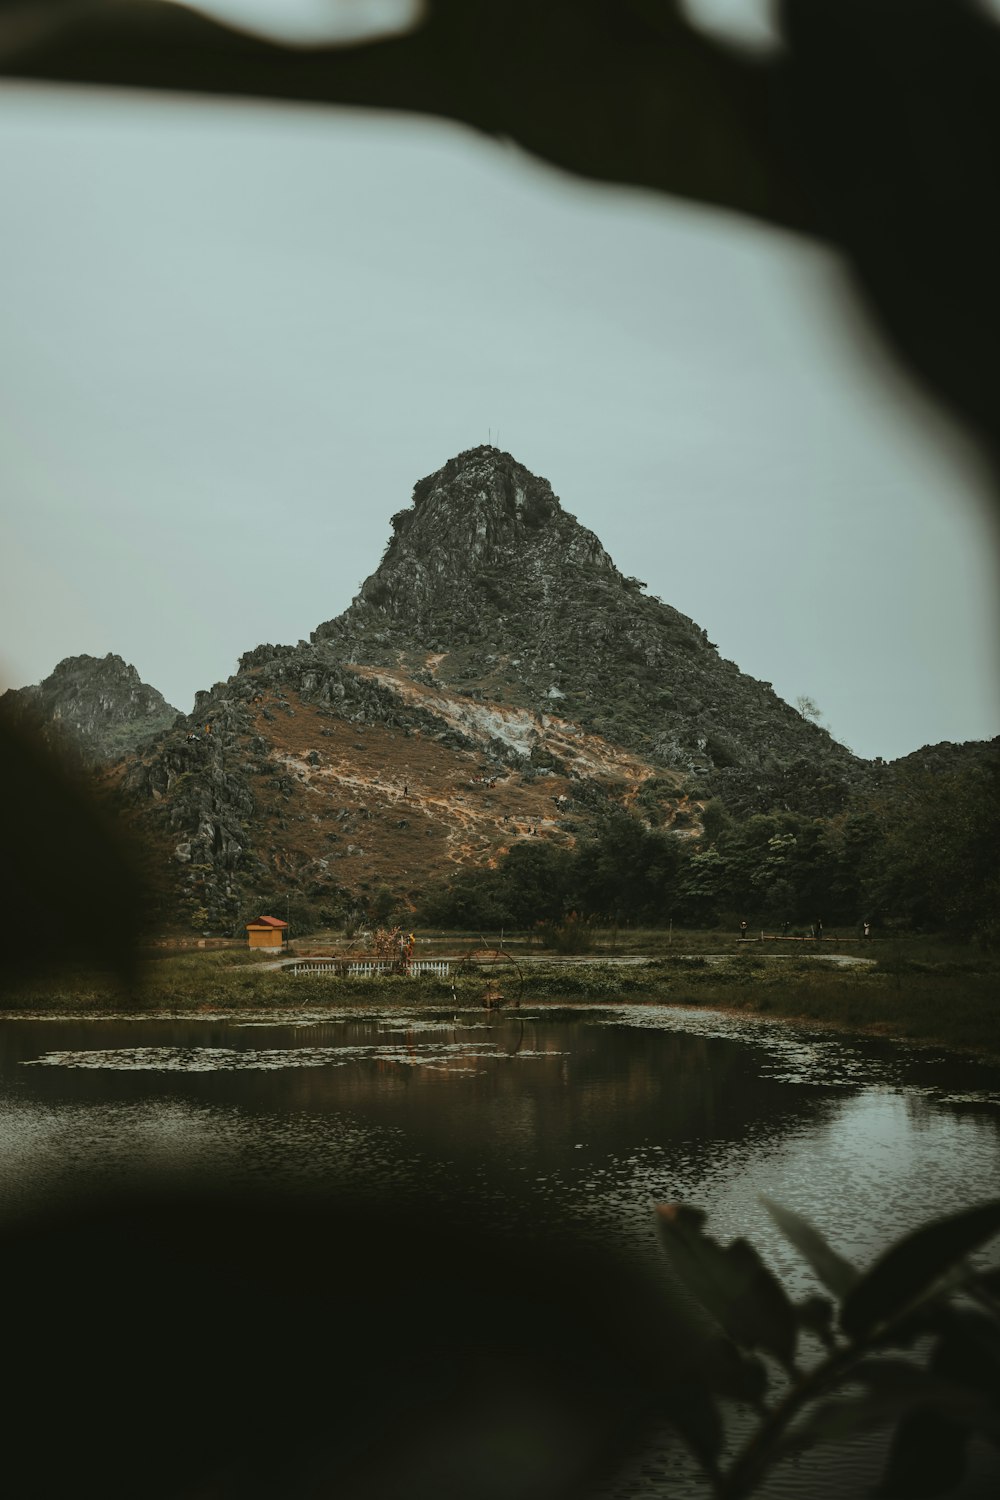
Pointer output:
x,y
918,846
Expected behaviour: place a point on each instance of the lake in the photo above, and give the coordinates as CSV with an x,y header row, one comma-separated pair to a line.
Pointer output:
x,y
582,1114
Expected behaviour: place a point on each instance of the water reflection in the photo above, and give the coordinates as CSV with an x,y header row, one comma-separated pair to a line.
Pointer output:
x,y
586,1114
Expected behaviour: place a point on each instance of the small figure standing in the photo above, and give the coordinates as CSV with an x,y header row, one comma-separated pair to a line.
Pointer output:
x,y
866,929
743,928
819,929
784,929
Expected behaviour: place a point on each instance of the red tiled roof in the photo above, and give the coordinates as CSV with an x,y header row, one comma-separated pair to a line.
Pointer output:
x,y
267,922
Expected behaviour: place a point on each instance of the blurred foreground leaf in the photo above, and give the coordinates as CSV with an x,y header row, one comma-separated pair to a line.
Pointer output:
x,y
732,1284
69,884
911,1268
836,1273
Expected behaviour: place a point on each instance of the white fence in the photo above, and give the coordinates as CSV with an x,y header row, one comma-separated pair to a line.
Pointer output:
x,y
365,967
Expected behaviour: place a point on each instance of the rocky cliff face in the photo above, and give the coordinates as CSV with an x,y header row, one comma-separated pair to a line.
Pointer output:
x,y
99,706
496,678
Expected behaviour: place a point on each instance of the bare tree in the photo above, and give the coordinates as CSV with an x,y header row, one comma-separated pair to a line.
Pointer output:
x,y
809,708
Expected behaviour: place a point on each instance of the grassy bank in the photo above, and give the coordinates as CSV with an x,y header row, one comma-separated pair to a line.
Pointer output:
x,y
929,994
945,1004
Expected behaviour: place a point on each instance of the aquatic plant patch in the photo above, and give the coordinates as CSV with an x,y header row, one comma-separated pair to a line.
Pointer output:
x,y
230,1059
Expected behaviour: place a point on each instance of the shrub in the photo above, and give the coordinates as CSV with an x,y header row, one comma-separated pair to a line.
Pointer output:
x,y
572,935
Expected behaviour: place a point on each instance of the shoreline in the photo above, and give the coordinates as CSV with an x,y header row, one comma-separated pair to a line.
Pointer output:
x,y
944,1006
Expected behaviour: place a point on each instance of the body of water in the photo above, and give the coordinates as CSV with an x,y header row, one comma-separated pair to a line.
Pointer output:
x,y
588,1116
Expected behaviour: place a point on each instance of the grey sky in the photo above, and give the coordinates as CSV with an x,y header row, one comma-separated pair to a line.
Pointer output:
x,y
235,336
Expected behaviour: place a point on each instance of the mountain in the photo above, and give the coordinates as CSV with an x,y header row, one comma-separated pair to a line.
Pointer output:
x,y
490,589
496,678
98,706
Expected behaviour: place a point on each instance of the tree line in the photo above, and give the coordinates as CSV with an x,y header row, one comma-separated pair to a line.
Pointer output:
x,y
916,847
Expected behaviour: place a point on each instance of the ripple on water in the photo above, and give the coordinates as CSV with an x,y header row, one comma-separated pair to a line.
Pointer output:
x,y
800,1055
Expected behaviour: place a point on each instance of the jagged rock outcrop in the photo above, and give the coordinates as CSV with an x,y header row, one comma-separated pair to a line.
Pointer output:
x,y
194,799
98,706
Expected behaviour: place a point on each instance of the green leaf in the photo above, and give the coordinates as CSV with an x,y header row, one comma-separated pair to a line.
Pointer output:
x,y
894,1388
729,1372
968,1353
695,1415
986,1284
911,1267
836,1273
815,1315
927,1457
732,1284
942,1385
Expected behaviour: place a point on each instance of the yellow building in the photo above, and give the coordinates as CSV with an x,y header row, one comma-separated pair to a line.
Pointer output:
x,y
266,932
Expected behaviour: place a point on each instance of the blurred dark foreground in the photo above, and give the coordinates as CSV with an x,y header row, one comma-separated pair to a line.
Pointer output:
x,y
192,1341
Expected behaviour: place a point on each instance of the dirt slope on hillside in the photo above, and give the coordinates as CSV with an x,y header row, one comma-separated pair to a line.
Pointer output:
x,y
366,805
336,806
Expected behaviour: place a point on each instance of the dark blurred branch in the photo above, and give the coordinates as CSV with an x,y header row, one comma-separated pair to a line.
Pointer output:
x,y
619,92
876,129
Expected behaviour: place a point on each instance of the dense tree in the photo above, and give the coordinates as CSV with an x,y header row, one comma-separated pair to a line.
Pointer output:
x,y
934,860
917,846
628,870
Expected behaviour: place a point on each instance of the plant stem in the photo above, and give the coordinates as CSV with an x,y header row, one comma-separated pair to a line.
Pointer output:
x,y
741,1477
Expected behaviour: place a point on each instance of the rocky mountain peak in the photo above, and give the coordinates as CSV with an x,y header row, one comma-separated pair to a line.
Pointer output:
x,y
78,672
488,588
483,541
483,508
99,705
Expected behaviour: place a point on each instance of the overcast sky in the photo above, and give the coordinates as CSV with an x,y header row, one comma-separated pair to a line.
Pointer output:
x,y
233,337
